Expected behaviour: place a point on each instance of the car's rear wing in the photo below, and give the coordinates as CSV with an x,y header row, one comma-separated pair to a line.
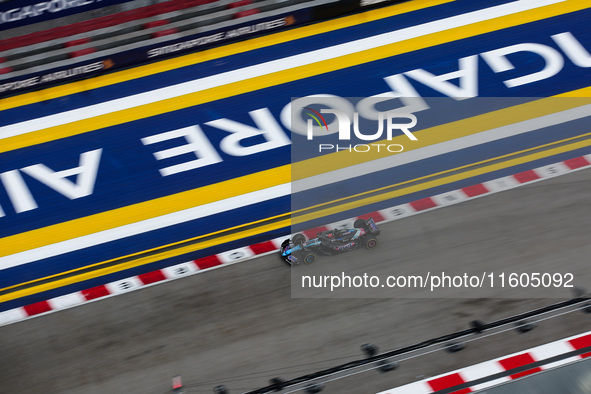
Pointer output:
x,y
372,226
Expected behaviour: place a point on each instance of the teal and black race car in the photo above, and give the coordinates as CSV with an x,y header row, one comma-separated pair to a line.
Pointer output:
x,y
299,249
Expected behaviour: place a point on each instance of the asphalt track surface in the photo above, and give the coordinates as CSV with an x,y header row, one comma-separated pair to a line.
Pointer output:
x,y
239,327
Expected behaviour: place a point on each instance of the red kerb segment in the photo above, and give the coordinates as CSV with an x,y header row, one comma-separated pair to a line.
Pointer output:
x,y
425,203
37,308
208,262
526,176
263,247
577,162
95,292
152,277
519,361
449,381
475,190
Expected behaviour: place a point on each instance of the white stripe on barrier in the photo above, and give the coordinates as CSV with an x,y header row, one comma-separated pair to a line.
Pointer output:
x,y
483,370
413,388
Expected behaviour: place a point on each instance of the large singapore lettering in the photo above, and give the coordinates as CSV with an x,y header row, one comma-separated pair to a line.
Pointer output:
x,y
203,153
190,148
23,200
467,74
461,84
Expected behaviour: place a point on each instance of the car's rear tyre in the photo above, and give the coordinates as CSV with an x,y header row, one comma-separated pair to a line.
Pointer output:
x,y
299,239
360,223
309,258
370,242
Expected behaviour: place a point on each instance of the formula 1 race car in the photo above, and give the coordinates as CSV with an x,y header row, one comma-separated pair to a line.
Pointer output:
x,y
298,249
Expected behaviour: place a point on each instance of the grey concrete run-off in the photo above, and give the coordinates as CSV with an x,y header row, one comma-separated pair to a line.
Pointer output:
x,y
239,327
